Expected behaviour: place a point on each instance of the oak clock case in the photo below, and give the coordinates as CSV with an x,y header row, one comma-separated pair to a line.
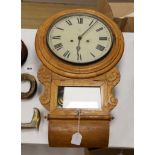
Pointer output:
x,y
79,48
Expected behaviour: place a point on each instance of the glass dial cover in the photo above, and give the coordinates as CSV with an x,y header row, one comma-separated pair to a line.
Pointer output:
x,y
80,38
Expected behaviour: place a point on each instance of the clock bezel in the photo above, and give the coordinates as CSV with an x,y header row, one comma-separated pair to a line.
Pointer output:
x,y
80,14
66,69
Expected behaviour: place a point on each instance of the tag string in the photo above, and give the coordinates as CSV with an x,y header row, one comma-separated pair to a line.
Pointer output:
x,y
78,121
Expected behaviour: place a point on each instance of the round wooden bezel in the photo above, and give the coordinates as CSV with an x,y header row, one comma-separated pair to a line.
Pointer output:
x,y
78,71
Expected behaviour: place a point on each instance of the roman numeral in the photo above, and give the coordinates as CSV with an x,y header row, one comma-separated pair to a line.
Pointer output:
x,y
92,54
66,54
99,29
68,22
80,20
58,46
91,22
102,38
56,37
100,47
59,28
79,58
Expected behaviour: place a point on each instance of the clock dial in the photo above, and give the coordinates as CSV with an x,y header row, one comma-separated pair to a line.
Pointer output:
x,y
80,38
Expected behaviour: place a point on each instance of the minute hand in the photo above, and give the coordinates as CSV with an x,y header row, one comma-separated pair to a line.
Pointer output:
x,y
87,30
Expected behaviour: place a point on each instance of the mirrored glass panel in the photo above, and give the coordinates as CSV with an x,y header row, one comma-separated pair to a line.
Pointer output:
x,y
79,97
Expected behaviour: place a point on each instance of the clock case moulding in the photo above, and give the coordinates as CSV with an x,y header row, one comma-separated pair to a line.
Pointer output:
x,y
54,73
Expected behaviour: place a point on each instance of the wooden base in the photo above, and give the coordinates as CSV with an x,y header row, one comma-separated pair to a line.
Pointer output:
x,y
95,133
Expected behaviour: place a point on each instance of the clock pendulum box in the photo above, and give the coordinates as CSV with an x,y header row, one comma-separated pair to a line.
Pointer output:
x,y
54,72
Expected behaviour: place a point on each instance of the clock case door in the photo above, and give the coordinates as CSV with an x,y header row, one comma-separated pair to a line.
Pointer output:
x,y
63,122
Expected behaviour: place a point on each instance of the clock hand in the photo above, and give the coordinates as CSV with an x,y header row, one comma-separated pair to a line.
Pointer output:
x,y
80,37
78,47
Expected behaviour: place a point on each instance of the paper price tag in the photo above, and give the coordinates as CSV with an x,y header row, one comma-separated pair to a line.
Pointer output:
x,y
76,138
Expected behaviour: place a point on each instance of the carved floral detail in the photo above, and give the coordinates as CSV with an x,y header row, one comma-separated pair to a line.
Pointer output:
x,y
44,76
112,79
112,102
45,97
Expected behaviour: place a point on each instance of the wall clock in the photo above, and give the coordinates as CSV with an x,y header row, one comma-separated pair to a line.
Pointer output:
x,y
78,49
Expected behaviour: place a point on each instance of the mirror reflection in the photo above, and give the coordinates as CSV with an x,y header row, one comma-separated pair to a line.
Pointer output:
x,y
79,97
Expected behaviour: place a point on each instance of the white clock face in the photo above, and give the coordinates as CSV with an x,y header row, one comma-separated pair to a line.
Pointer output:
x,y
80,38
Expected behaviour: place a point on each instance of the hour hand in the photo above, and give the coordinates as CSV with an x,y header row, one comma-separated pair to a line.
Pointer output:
x,y
78,48
78,53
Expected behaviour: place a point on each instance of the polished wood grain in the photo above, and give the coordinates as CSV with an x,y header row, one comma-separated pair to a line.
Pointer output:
x,y
95,133
68,70
63,122
52,81
53,73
